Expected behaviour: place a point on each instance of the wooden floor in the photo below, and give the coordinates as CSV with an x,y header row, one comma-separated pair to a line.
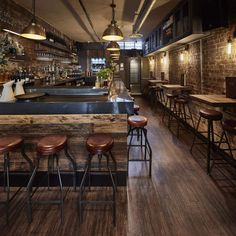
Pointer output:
x,y
179,199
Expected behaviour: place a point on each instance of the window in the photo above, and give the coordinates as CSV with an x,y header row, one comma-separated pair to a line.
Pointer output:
x,y
128,45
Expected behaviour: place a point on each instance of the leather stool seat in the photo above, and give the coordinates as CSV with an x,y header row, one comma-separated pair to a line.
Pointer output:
x,y
137,121
211,114
99,143
170,95
51,144
10,143
181,100
230,126
136,108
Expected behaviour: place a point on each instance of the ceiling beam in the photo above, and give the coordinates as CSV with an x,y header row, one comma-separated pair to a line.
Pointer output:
x,y
68,5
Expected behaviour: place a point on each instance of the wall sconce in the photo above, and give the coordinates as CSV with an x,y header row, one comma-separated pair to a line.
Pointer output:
x,y
183,54
229,46
163,58
151,61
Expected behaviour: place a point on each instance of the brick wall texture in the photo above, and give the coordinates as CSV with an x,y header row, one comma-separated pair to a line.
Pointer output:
x,y
216,63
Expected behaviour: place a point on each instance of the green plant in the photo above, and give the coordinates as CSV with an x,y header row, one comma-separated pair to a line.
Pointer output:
x,y
104,74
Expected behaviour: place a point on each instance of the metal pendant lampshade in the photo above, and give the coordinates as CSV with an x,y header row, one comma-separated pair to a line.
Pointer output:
x,y
34,30
112,32
113,46
115,53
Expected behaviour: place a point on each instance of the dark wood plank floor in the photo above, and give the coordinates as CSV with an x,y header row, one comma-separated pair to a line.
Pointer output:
x,y
179,199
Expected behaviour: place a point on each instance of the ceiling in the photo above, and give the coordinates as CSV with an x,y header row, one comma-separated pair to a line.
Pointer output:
x,y
69,17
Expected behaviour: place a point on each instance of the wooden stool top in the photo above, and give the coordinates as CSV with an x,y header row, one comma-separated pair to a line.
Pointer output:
x,y
137,121
99,143
230,126
181,100
210,114
51,144
10,143
170,95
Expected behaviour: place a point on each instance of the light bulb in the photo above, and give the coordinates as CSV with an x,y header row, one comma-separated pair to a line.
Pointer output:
x,y
229,47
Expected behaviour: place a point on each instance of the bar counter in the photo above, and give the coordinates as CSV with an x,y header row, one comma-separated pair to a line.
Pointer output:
x,y
76,112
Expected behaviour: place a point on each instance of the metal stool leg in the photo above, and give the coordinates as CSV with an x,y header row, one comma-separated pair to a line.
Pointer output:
x,y
69,157
195,134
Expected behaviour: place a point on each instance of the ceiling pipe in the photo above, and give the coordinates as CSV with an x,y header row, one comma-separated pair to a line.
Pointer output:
x,y
143,14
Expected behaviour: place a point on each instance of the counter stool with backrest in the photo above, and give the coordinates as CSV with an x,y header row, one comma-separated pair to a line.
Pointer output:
x,y
137,127
10,144
99,145
50,146
211,116
182,112
229,128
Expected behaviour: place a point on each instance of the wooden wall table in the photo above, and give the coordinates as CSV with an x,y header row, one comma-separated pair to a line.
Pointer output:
x,y
176,87
153,82
214,100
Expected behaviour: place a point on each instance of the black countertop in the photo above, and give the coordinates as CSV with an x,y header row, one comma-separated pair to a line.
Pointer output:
x,y
64,100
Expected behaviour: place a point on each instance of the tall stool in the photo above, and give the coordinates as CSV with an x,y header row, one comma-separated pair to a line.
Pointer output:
x,y
138,123
210,116
11,144
169,106
229,127
180,110
100,145
160,95
49,146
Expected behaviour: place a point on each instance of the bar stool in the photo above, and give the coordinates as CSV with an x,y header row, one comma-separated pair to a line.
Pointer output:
x,y
11,144
49,146
160,95
169,106
229,127
101,145
180,110
136,109
210,116
138,123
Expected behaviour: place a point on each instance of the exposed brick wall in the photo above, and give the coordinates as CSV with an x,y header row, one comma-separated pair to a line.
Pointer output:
x,y
216,63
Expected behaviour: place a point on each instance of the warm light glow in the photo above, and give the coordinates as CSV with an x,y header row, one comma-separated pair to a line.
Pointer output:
x,y
33,36
113,46
229,47
182,56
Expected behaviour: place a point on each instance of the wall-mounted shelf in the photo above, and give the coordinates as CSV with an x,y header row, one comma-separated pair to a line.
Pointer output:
x,y
187,22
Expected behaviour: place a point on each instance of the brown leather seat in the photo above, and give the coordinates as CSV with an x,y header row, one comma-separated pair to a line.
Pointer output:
x,y
230,126
10,143
51,144
136,108
137,121
211,114
99,143
181,100
171,96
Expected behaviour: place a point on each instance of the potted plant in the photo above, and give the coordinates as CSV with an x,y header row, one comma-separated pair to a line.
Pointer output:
x,y
104,76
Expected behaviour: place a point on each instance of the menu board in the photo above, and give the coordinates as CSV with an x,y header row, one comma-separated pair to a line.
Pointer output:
x,y
167,30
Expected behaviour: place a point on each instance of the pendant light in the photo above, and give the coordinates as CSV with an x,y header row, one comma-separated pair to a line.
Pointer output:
x,y
113,46
112,32
33,30
115,53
